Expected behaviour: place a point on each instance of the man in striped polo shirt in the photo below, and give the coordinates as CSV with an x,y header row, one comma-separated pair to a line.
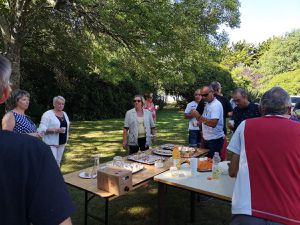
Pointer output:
x,y
266,164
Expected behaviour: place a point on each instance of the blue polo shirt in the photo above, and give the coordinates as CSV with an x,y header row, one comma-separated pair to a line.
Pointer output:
x,y
32,189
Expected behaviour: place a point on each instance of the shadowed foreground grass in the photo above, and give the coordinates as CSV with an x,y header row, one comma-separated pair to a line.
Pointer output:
x,y
139,206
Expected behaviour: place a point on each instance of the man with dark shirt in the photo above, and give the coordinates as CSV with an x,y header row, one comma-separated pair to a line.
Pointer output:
x,y
32,190
227,108
243,110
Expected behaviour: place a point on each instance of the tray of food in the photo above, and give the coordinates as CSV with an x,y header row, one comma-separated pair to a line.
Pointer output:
x,y
133,167
187,152
204,164
168,146
162,152
145,158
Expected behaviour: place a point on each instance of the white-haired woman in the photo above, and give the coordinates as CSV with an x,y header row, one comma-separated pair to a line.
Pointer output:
x,y
55,126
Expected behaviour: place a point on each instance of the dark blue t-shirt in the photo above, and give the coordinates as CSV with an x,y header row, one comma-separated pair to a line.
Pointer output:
x,y
32,189
239,115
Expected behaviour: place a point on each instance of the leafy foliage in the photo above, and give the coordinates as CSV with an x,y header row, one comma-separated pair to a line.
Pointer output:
x,y
283,55
290,81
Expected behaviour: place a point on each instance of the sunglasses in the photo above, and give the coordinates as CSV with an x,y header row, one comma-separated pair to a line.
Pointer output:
x,y
204,95
136,100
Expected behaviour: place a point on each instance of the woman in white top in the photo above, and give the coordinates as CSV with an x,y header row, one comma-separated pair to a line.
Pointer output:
x,y
55,126
138,127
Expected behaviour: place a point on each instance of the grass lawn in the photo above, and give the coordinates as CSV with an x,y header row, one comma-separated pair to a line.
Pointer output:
x,y
139,206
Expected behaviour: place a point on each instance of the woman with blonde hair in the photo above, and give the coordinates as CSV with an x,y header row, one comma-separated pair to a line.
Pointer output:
x,y
55,125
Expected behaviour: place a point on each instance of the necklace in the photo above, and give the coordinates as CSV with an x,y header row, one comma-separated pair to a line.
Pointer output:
x,y
60,118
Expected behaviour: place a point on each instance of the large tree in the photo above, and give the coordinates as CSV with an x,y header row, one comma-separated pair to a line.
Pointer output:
x,y
159,39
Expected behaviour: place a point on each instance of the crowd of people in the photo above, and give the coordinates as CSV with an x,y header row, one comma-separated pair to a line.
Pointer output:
x,y
265,138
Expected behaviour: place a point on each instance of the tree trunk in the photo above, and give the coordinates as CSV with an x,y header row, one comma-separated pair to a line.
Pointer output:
x,y
13,54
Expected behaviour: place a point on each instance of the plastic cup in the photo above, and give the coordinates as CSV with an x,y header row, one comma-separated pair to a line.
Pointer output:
x,y
231,122
63,130
195,123
174,171
193,166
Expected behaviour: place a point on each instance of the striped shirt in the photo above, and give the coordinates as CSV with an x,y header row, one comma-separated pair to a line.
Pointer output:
x,y
23,124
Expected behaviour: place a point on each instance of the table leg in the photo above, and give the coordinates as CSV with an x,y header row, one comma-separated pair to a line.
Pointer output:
x,y
161,203
85,207
106,211
193,196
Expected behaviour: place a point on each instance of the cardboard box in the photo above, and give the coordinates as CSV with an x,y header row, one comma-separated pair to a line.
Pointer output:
x,y
114,180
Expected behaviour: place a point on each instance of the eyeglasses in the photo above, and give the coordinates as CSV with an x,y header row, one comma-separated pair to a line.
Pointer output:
x,y
204,95
136,100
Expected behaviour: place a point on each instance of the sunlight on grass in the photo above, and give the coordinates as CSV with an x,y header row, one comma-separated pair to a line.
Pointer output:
x,y
137,210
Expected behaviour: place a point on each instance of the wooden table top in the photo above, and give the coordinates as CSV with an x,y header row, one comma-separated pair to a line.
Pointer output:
x,y
138,178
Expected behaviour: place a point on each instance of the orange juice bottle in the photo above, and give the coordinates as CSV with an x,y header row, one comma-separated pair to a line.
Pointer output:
x,y
176,157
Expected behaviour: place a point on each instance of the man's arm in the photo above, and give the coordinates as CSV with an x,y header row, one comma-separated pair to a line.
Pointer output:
x,y
208,122
8,121
188,116
233,166
67,222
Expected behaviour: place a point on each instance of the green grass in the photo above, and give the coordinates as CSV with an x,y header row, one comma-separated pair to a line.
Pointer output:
x,y
139,206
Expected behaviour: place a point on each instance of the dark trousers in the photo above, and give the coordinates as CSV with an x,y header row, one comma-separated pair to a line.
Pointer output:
x,y
240,219
214,145
141,146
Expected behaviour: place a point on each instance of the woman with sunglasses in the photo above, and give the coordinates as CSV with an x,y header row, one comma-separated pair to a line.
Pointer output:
x,y
139,127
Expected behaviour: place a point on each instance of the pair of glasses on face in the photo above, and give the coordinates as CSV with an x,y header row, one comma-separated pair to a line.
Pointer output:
x,y
204,95
136,100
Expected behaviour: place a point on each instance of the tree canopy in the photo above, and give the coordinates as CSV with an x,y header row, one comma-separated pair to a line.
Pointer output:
x,y
152,44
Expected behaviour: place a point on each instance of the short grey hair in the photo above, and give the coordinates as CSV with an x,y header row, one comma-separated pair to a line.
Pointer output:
x,y
56,98
5,71
215,85
275,101
240,91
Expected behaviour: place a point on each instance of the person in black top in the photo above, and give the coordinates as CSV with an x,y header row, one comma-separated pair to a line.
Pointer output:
x,y
227,108
32,189
244,108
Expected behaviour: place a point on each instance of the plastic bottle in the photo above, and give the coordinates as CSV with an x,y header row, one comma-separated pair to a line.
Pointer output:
x,y
215,167
176,157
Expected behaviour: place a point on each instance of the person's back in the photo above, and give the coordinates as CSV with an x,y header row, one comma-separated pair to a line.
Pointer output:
x,y
31,189
265,160
273,167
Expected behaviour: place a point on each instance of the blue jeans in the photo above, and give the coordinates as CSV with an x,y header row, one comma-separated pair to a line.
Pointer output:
x,y
194,138
240,219
214,145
